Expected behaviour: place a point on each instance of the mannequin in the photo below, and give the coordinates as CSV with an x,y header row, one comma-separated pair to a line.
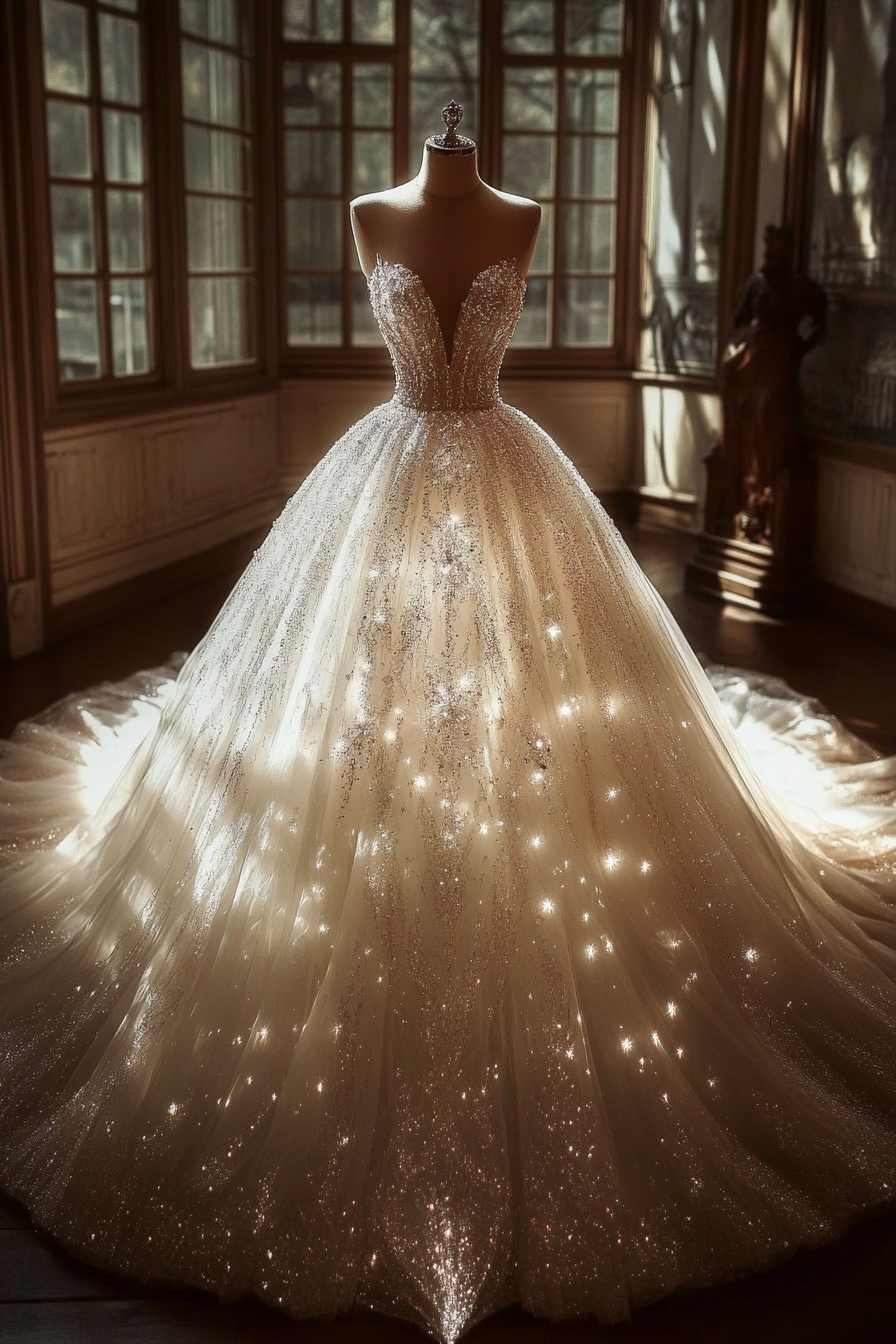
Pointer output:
x,y
446,225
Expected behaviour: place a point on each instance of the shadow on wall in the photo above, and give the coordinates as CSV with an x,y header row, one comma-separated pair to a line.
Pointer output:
x,y
677,432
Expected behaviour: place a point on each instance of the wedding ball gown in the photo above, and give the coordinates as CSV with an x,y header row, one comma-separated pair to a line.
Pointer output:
x,y
438,945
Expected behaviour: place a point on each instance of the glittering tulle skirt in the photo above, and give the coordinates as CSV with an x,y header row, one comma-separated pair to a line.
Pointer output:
x,y
431,941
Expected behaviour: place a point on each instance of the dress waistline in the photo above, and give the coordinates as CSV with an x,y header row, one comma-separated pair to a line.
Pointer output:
x,y
495,405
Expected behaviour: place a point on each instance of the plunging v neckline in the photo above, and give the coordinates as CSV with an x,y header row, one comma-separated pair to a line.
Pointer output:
x,y
494,266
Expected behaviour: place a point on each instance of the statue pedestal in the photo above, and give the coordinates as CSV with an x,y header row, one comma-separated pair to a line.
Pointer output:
x,y
756,549
744,574
775,578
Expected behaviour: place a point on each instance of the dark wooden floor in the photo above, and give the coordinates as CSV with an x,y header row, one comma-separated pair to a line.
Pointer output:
x,y
842,1294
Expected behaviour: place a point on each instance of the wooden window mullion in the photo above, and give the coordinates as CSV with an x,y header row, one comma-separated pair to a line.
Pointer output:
x,y
401,91
101,226
346,93
557,258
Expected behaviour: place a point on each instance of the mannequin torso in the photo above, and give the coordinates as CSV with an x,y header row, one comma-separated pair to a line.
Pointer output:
x,y
447,226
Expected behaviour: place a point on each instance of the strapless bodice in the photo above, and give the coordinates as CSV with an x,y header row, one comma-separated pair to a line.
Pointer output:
x,y
424,378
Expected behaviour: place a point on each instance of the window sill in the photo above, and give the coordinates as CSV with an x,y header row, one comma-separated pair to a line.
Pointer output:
x,y
123,403
684,382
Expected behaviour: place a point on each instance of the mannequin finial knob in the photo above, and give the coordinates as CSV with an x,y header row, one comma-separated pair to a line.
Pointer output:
x,y
451,142
452,115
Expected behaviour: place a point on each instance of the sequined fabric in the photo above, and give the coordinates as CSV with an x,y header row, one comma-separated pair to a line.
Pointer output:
x,y
424,378
431,942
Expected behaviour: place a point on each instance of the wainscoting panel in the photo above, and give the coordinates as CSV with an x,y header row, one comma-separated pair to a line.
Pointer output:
x,y
856,531
314,413
592,422
134,496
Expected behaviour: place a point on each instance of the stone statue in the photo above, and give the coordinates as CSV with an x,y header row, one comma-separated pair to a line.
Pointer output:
x,y
780,318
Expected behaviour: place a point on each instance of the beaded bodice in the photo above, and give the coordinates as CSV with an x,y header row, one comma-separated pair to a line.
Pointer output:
x,y
425,379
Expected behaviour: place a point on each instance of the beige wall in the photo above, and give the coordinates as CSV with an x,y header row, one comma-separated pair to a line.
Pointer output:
x,y
592,421
127,497
856,533
130,496
314,412
135,495
676,430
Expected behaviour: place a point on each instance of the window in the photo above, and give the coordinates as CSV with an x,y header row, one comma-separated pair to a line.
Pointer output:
x,y
444,41
163,276
561,108
217,81
341,75
558,73
849,381
96,124
364,82
684,211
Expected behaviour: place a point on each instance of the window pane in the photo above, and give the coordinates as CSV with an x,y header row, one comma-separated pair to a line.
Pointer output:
x,y
590,166
529,25
372,95
119,59
587,312
217,20
220,329
372,161
313,161
66,65
849,381
211,85
124,218
528,167
530,99
594,27
130,328
217,234
215,161
687,171
373,20
68,128
533,326
315,310
588,237
77,329
592,100
314,235
311,93
364,328
428,97
312,20
73,236
130,5
123,143
444,65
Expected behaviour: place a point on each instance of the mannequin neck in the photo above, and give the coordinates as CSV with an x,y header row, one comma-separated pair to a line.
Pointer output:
x,y
448,174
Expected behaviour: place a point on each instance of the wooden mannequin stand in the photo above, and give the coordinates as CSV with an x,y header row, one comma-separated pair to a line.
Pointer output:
x,y
756,548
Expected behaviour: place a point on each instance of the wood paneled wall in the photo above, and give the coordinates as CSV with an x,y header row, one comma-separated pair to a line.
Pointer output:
x,y
856,537
593,421
131,496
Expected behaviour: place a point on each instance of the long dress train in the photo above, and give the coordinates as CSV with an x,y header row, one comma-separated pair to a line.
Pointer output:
x,y
438,938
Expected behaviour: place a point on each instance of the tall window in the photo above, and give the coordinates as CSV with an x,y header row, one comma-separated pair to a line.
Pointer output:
x,y
561,109
340,79
96,118
684,213
364,82
849,381
217,80
444,42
